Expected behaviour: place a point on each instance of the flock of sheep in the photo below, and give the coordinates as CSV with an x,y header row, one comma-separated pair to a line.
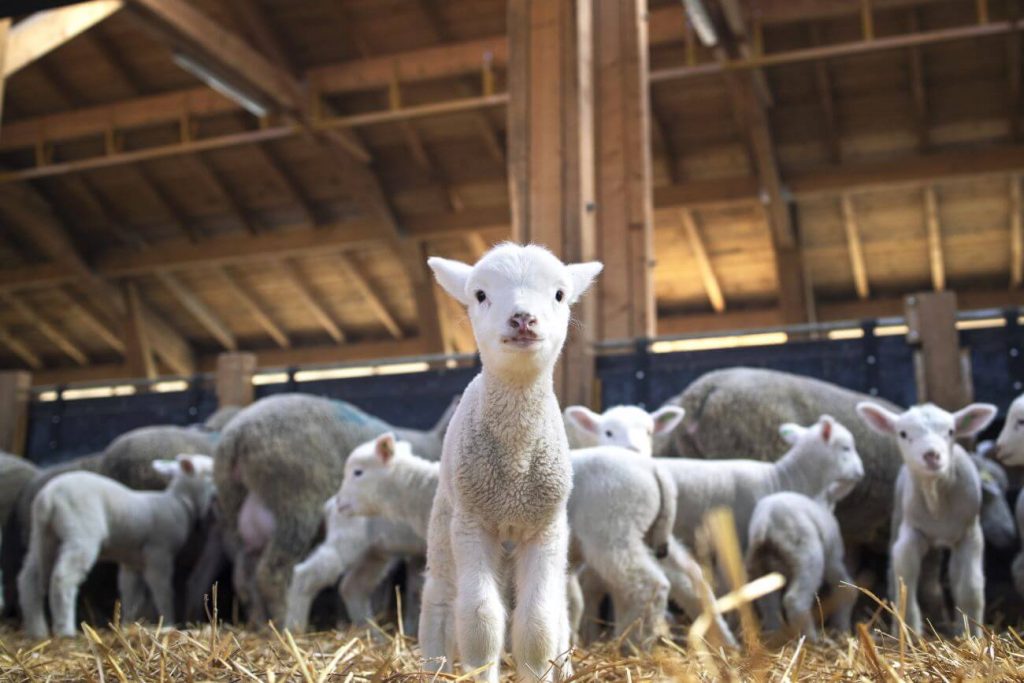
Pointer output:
x,y
520,534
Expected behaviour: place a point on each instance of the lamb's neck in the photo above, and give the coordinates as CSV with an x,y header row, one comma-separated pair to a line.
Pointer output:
x,y
512,405
181,497
795,471
935,489
410,492
424,444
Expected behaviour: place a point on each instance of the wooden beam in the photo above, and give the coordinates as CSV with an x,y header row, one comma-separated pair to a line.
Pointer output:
x,y
309,299
357,279
934,228
92,318
233,379
43,32
622,138
137,340
5,41
14,408
167,203
700,254
1016,233
853,243
1014,77
255,24
212,177
550,155
918,90
27,355
478,246
289,182
59,339
823,83
931,319
257,310
199,310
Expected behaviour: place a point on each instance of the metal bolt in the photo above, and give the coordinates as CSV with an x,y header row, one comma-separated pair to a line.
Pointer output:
x,y
1014,352
1017,386
192,410
873,391
640,374
590,206
871,360
55,419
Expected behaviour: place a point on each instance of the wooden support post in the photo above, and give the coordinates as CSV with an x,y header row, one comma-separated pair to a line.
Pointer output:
x,y
138,345
550,155
622,137
14,399
5,32
931,319
233,380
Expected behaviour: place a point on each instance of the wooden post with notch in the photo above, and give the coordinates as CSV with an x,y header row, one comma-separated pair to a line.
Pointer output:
x,y
233,380
938,367
551,155
15,386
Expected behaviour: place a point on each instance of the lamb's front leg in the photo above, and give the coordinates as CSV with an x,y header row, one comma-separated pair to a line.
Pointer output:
x,y
540,623
967,579
158,573
908,551
479,607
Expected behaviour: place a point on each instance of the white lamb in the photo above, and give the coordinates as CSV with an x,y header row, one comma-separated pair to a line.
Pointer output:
x,y
937,504
505,472
799,537
1009,450
79,518
629,427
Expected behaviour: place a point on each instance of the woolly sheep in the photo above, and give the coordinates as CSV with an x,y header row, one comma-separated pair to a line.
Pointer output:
x,y
799,537
15,473
937,502
1009,450
81,517
285,454
629,427
736,412
505,472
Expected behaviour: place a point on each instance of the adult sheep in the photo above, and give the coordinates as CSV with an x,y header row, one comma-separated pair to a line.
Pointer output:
x,y
15,473
736,413
282,458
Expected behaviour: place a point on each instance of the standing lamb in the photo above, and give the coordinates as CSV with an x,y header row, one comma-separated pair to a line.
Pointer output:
x,y
937,502
277,463
629,427
736,412
1009,450
505,471
15,473
799,537
81,517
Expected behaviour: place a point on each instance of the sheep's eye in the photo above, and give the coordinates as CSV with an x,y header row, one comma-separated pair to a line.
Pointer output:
x,y
1020,423
357,473
559,295
951,432
480,296
608,433
903,435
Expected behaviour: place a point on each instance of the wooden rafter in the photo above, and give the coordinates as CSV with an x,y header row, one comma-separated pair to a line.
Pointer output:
x,y
19,349
199,310
58,338
1016,233
256,309
43,32
139,357
310,300
167,203
823,83
86,188
855,246
287,180
92,318
5,33
357,279
917,87
1014,76
209,174
707,273
934,227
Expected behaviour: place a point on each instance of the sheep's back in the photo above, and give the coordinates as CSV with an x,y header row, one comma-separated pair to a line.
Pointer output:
x,y
15,473
129,458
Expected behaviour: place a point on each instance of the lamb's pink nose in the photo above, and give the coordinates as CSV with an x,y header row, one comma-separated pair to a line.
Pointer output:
x,y
931,458
522,322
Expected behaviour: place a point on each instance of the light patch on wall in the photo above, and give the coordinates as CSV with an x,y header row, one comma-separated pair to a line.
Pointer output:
x,y
980,323
890,330
169,386
98,392
332,373
270,378
729,342
847,333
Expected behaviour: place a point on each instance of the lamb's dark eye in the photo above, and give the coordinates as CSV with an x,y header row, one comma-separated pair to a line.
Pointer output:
x,y
951,432
357,473
608,433
903,435
480,296
559,295
1020,423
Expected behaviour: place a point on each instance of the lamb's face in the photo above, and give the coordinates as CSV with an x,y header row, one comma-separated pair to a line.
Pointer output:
x,y
366,468
926,433
834,447
518,299
629,427
1010,444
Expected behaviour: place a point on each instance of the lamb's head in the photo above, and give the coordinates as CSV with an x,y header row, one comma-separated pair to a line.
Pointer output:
x,y
368,468
828,447
629,427
925,434
518,299
1009,447
191,475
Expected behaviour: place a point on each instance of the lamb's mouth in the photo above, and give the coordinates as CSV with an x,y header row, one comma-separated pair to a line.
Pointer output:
x,y
522,341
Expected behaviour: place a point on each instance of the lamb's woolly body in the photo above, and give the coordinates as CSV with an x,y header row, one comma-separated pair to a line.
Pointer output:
x,y
15,474
767,398
81,517
290,451
1018,561
129,458
800,537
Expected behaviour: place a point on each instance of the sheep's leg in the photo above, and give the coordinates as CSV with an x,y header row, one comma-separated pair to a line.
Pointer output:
x,y
594,589
540,622
32,580
968,579
359,584
1018,573
74,560
576,605
800,592
908,551
412,594
207,568
158,573
292,538
132,589
437,622
479,608
318,571
929,588
689,589
837,576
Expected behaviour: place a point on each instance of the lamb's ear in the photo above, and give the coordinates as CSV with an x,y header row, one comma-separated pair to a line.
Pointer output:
x,y
452,275
186,465
827,422
384,447
791,432
583,418
168,468
974,418
582,275
666,418
877,418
